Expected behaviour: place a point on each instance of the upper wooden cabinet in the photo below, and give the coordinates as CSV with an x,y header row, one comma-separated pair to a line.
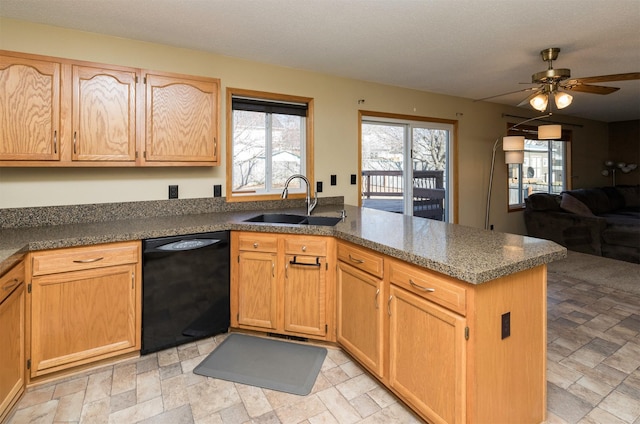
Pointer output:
x,y
104,114
29,109
59,112
182,119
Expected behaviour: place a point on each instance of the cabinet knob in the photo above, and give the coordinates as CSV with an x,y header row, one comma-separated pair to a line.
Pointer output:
x,y
255,245
304,248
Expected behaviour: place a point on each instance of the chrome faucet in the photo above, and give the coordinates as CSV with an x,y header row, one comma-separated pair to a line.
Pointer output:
x,y
310,205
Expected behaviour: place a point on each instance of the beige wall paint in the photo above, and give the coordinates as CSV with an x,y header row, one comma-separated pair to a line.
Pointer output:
x,y
336,112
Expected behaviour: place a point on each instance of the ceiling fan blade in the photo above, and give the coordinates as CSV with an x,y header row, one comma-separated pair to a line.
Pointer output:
x,y
593,89
511,92
608,78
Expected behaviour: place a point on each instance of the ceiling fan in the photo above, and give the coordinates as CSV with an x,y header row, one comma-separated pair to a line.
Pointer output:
x,y
555,83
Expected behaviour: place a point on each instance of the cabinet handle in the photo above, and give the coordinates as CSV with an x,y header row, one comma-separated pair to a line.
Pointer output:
x,y
11,285
352,259
295,262
389,305
273,269
304,248
87,261
376,299
55,141
419,287
75,134
255,245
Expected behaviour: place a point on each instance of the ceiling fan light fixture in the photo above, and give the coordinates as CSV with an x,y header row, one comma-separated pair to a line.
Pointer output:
x,y
539,102
563,99
549,132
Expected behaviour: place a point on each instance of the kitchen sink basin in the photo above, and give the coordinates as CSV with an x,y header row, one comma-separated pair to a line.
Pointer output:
x,y
283,218
329,221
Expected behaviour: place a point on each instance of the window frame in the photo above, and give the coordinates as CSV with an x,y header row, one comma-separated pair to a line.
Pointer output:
x,y
531,133
309,143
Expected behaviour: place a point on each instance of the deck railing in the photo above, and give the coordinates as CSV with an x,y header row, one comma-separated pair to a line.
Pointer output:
x,y
428,190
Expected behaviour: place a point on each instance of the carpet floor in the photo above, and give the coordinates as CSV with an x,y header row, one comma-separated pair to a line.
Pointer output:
x,y
601,271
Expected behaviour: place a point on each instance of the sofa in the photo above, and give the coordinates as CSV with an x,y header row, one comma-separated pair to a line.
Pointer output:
x,y
602,221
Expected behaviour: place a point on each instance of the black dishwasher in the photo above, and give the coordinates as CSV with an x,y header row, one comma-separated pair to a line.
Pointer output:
x,y
185,289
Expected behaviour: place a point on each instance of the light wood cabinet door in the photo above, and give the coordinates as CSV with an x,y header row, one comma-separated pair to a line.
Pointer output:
x,y
29,109
305,294
12,353
257,290
427,356
82,316
360,306
104,114
181,119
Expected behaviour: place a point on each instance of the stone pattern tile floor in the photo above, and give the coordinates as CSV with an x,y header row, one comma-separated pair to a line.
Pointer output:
x,y
593,377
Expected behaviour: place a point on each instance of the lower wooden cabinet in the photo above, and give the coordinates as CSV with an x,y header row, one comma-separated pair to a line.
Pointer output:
x,y
427,352
85,305
12,328
360,308
281,284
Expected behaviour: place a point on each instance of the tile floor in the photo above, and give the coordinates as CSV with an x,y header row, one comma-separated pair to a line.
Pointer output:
x,y
593,377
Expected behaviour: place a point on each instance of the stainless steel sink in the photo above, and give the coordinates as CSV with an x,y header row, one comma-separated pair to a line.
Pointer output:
x,y
283,218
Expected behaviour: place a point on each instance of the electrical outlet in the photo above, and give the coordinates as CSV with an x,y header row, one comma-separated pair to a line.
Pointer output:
x,y
353,179
334,180
173,192
319,187
506,325
217,190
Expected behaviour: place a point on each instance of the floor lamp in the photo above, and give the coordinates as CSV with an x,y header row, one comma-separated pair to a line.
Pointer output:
x,y
513,147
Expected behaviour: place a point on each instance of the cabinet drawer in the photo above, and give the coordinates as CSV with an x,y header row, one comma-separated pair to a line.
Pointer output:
x,y
434,287
11,280
80,258
258,242
361,258
307,246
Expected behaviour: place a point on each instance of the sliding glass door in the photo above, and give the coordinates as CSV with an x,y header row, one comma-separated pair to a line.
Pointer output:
x,y
405,166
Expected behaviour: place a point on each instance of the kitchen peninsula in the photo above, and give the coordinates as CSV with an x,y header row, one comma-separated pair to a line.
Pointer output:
x,y
456,322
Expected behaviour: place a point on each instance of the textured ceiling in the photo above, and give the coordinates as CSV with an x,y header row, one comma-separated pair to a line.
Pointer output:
x,y
465,48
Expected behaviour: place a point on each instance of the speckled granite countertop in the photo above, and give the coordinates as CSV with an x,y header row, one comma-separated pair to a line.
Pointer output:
x,y
469,254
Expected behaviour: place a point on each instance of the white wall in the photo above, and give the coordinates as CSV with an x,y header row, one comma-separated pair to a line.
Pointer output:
x,y
336,124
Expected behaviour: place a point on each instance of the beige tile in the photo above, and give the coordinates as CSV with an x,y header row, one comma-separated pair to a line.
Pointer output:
x,y
122,401
351,369
99,386
254,400
381,396
137,412
304,409
600,416
235,414
69,408
210,396
36,396
70,386
323,418
335,375
96,412
339,407
148,386
38,413
626,359
356,386
124,378
621,406
168,357
174,392
180,415
365,405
